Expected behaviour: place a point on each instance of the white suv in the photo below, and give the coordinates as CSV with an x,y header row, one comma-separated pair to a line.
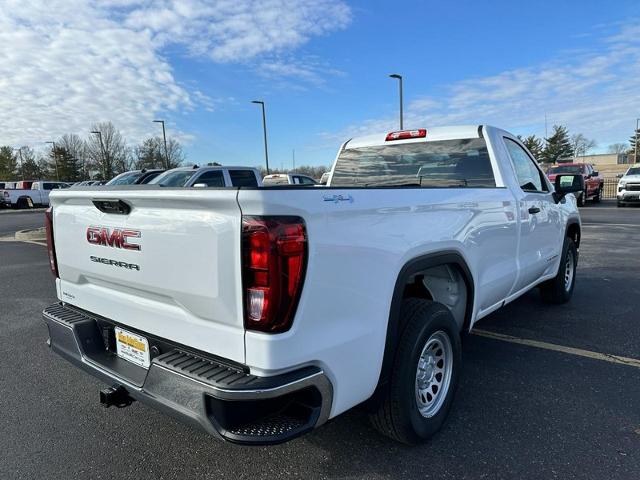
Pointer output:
x,y
629,187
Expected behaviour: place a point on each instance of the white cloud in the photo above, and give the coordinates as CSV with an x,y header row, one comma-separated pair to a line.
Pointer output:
x,y
69,63
594,92
238,30
297,72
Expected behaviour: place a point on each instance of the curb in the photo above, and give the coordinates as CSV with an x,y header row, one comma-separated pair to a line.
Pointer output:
x,y
10,211
37,234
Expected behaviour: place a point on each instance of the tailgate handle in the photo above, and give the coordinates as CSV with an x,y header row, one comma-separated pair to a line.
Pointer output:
x,y
119,207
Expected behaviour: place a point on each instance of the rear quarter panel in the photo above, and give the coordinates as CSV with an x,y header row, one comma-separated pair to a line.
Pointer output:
x,y
357,248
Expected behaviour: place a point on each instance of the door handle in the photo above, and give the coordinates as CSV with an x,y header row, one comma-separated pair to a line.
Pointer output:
x,y
534,210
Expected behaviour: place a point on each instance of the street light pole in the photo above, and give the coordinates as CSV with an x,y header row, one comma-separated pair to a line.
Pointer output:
x,y
264,131
102,152
55,159
635,153
164,136
399,77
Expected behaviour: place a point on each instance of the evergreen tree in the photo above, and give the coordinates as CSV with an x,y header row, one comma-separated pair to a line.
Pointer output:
x,y
8,163
558,145
64,165
150,153
30,169
632,142
534,145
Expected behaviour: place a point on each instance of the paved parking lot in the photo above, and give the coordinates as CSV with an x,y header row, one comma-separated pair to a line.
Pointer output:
x,y
521,411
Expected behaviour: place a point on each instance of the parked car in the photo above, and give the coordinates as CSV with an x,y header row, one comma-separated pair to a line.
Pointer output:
x,y
629,187
202,177
85,183
37,195
135,177
260,313
289,179
594,183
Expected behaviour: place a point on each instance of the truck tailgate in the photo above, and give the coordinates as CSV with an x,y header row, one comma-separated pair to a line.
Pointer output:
x,y
183,283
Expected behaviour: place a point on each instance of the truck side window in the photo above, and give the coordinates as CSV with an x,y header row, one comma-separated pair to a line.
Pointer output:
x,y
529,176
243,178
212,178
306,181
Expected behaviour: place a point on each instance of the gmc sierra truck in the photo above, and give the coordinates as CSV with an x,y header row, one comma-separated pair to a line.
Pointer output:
x,y
260,313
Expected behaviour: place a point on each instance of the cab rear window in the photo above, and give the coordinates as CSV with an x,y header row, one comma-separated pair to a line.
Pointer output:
x,y
243,178
461,163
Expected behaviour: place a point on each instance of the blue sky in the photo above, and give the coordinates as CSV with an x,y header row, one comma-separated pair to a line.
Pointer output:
x,y
321,66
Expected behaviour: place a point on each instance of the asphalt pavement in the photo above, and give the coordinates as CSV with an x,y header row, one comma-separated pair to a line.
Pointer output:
x,y
14,220
520,411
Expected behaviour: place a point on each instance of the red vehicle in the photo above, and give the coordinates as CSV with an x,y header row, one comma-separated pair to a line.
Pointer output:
x,y
24,184
593,182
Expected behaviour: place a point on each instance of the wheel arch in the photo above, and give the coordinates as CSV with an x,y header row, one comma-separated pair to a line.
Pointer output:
x,y
395,325
573,231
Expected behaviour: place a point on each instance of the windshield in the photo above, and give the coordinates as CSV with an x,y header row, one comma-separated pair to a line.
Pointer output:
x,y
126,178
150,177
633,171
444,163
173,178
571,169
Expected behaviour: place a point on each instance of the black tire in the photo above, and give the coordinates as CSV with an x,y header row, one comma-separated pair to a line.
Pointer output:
x,y
398,415
620,204
558,290
22,203
598,195
582,198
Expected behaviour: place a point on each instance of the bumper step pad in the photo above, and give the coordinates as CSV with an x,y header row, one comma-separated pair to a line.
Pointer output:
x,y
223,399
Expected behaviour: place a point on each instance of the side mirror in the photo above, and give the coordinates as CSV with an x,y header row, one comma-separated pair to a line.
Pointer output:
x,y
595,173
200,185
566,183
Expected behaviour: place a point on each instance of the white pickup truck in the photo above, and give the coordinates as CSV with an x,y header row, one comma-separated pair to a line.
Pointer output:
x,y
258,314
36,196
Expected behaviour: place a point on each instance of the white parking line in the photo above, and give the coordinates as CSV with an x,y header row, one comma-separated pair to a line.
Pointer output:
x,y
610,225
605,357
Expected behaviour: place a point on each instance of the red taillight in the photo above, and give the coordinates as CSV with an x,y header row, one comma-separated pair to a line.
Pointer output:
x,y
404,134
51,247
274,260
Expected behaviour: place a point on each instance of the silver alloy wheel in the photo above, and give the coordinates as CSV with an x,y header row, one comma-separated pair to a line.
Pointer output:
x,y
569,270
433,375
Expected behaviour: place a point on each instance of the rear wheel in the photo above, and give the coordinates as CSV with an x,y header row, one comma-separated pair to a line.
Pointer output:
x,y
598,195
425,374
560,288
581,199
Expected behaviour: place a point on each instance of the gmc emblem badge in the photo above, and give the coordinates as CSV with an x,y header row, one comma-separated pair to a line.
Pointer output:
x,y
116,238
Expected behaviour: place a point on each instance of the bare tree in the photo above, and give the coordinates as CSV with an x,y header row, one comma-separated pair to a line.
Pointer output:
x,y
581,144
618,148
76,148
175,153
110,158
